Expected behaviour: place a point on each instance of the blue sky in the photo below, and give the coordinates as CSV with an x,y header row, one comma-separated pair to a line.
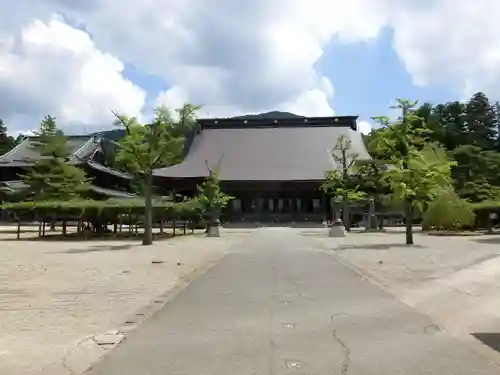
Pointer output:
x,y
369,76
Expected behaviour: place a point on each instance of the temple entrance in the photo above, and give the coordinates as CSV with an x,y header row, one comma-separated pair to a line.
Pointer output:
x,y
276,208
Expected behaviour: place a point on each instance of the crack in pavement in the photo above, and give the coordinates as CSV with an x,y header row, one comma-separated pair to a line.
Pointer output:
x,y
463,292
347,351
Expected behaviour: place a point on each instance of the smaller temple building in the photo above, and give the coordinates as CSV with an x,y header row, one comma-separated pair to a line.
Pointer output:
x,y
273,164
87,151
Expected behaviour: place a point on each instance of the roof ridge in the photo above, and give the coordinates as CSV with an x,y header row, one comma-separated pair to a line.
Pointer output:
x,y
10,152
78,150
116,172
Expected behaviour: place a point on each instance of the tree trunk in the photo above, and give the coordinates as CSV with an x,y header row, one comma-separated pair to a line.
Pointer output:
x,y
346,217
409,222
148,210
372,225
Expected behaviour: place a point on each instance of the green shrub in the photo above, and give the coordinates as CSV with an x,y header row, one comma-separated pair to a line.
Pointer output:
x,y
449,212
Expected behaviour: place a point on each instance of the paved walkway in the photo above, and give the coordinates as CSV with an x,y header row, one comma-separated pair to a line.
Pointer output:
x,y
279,306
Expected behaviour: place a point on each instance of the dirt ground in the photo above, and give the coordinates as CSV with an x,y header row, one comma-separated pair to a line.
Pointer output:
x,y
57,298
454,280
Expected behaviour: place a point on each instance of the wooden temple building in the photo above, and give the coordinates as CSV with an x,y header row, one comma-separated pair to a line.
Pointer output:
x,y
87,151
273,164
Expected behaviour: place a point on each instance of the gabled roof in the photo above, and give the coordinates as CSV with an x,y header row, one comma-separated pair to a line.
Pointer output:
x,y
267,151
25,154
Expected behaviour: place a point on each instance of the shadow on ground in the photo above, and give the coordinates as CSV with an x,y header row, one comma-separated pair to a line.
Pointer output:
x,y
378,246
490,239
357,231
489,339
99,248
95,237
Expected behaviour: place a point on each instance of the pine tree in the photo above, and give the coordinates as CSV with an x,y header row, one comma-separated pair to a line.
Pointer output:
x,y
6,141
52,178
496,109
212,199
481,122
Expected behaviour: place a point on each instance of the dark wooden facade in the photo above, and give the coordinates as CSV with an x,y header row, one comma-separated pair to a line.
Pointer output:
x,y
265,201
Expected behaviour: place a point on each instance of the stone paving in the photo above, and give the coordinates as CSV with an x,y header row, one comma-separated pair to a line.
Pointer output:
x,y
282,303
453,280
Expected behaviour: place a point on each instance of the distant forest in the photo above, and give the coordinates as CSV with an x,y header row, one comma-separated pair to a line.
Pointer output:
x,y
470,133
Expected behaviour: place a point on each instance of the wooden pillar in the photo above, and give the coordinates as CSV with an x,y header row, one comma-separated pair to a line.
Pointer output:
x,y
324,206
259,205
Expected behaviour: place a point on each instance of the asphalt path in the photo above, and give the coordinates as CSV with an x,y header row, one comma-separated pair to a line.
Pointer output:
x,y
279,305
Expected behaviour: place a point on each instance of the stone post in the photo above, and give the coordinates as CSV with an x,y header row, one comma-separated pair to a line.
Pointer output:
x,y
214,228
337,229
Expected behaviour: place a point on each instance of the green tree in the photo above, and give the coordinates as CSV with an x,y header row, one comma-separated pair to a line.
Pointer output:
x,y
476,176
52,178
148,147
449,212
339,184
418,179
406,145
447,123
212,199
481,122
400,140
6,141
368,178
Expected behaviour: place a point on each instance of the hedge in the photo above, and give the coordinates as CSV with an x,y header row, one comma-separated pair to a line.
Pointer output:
x,y
87,207
486,205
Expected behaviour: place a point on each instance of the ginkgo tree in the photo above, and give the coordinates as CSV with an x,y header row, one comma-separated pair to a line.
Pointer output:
x,y
212,200
417,169
338,183
419,179
148,147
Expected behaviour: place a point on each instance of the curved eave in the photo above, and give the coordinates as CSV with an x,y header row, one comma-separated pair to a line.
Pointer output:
x,y
111,171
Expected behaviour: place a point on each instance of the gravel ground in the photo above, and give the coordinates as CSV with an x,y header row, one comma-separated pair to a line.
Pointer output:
x,y
454,280
56,296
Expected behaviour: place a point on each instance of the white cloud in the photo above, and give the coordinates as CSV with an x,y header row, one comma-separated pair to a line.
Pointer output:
x,y
310,103
452,44
364,127
54,68
232,57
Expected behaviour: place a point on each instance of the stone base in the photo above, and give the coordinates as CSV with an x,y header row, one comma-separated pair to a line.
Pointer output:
x,y
337,230
213,231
